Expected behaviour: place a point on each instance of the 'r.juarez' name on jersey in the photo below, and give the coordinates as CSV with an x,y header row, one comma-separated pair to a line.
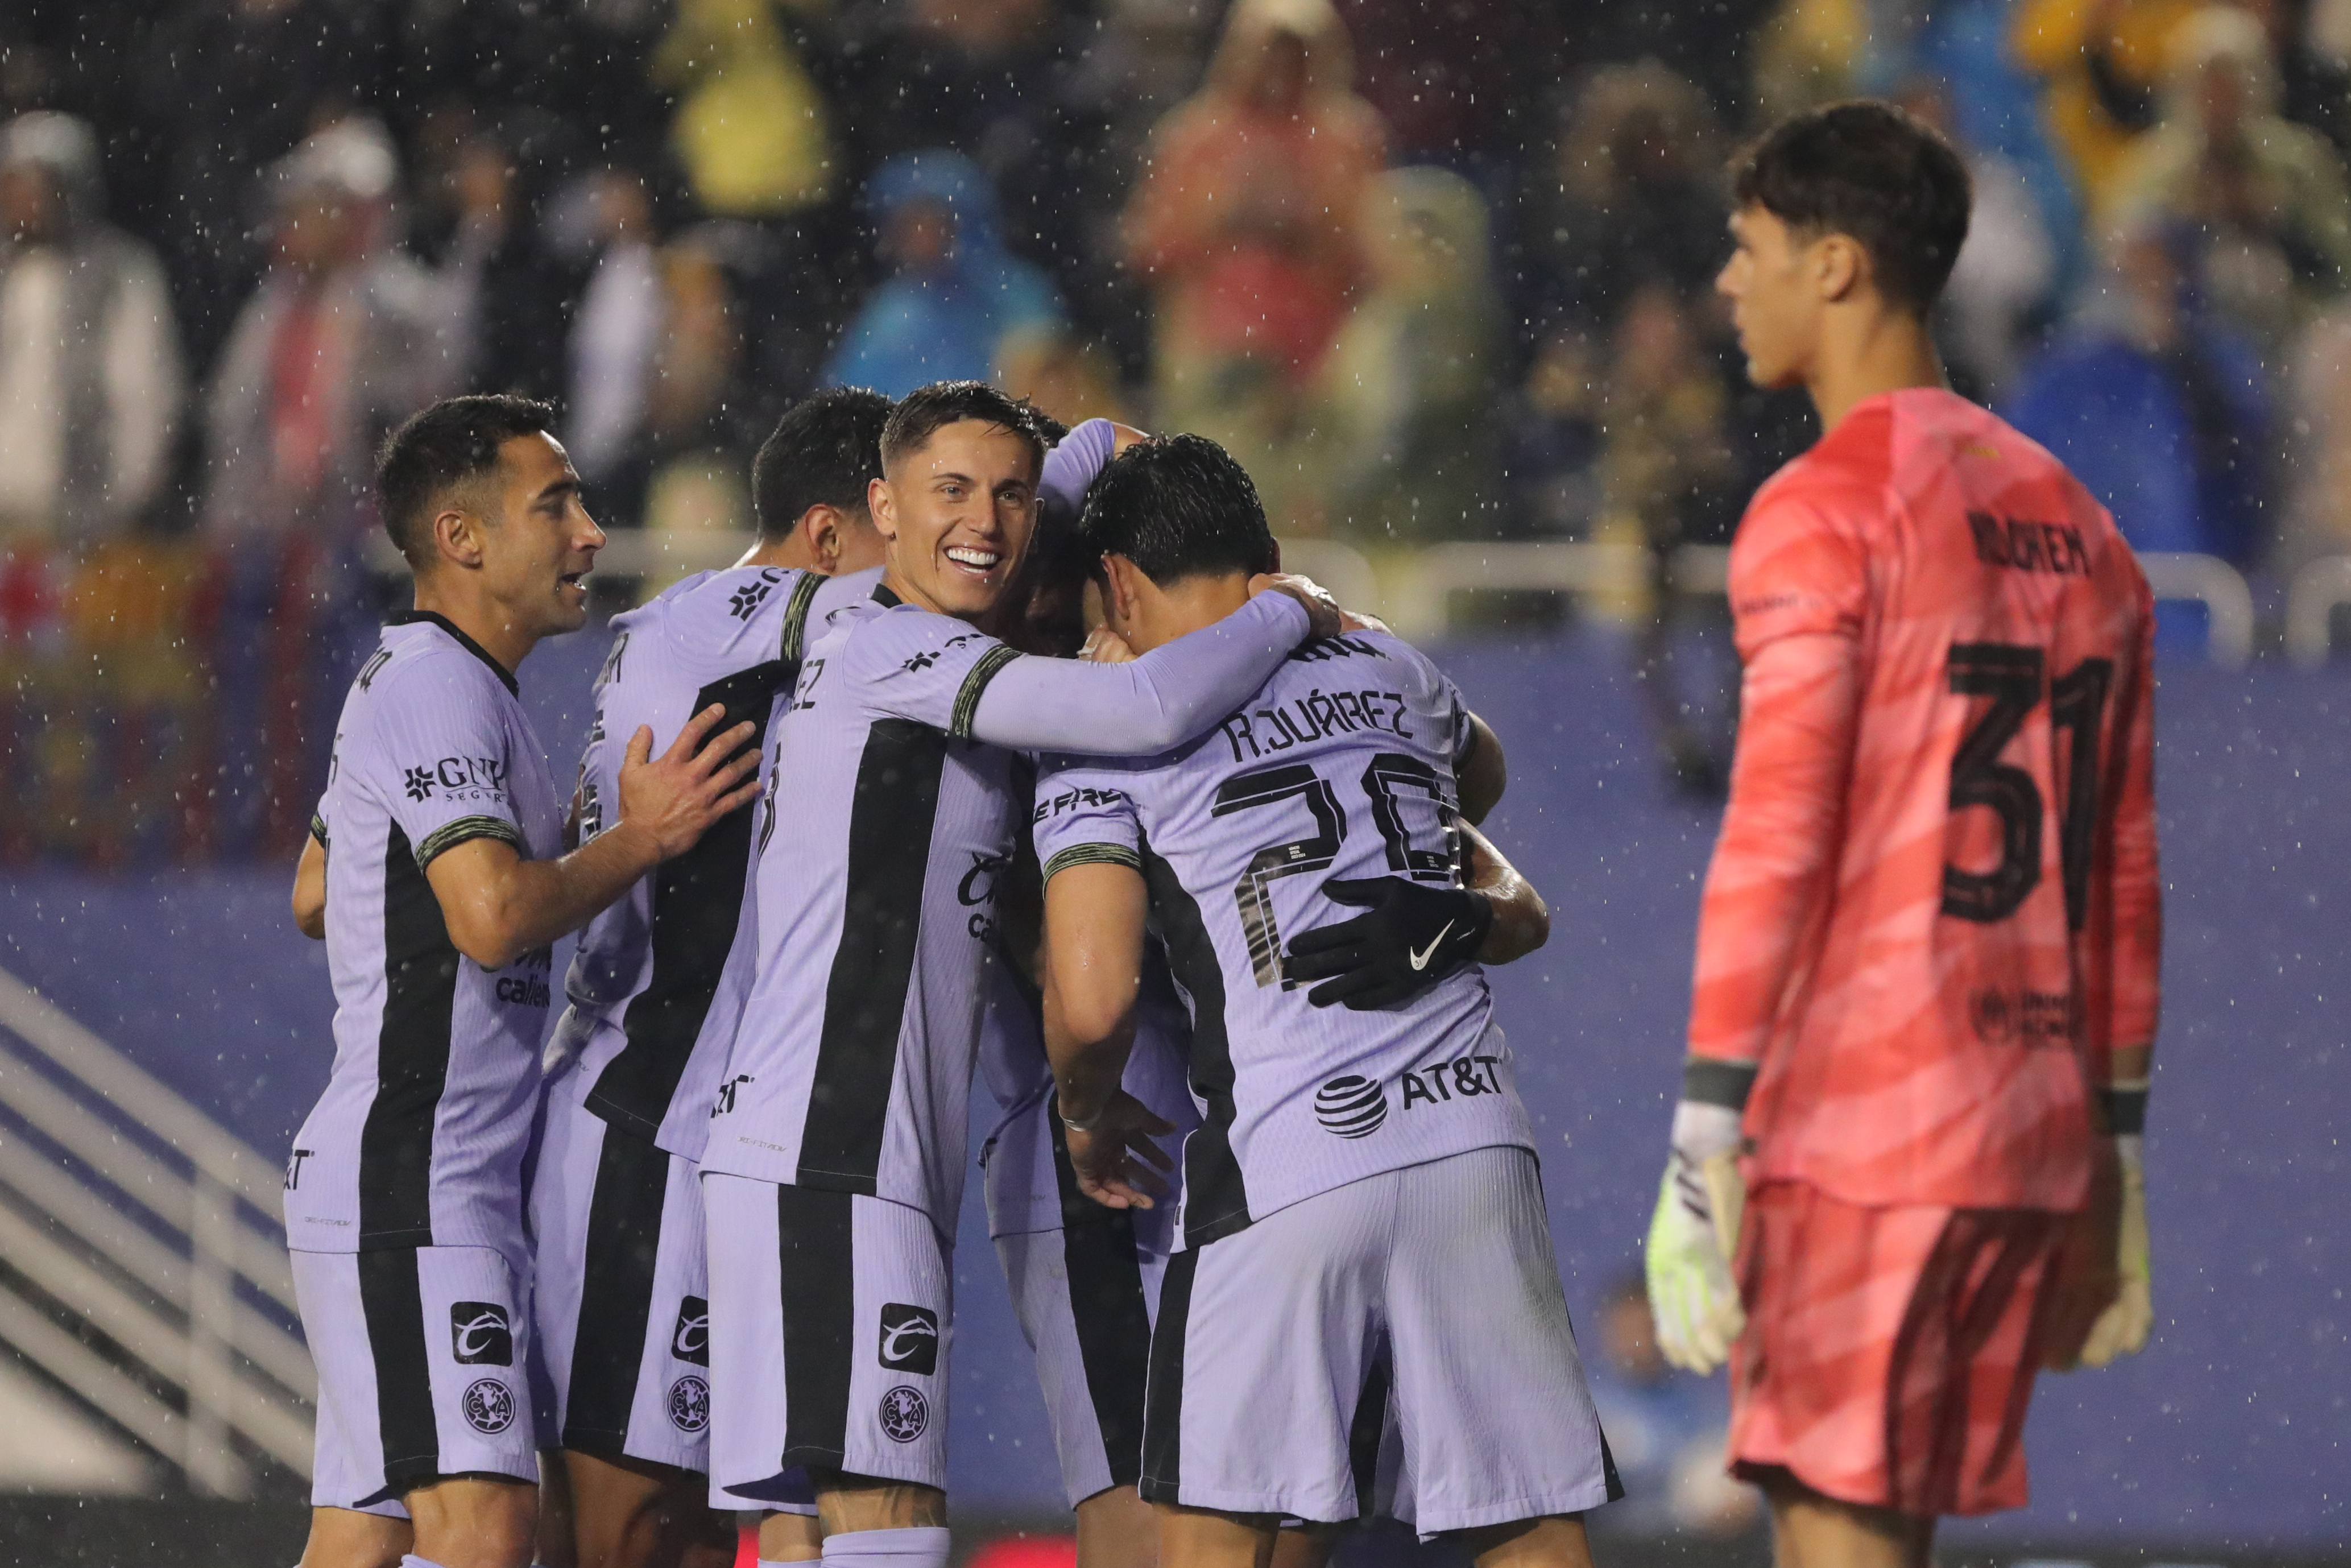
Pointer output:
x,y
852,1069
642,983
418,1140
1342,766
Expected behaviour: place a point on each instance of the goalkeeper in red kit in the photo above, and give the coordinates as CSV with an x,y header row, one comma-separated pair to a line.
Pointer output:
x,y
1905,1171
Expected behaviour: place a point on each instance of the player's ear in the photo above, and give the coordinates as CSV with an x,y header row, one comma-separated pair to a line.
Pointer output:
x,y
1842,267
883,508
458,537
820,527
1117,588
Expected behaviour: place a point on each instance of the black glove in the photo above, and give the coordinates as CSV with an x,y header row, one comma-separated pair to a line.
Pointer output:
x,y
1412,936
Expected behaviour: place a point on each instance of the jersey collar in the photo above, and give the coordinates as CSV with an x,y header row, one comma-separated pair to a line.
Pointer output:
x,y
884,597
411,617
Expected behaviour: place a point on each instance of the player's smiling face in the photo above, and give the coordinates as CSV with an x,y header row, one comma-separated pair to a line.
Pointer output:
x,y
537,557
1771,284
956,514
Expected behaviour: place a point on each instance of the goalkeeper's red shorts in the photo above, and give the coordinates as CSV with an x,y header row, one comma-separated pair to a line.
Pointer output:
x,y
1890,1352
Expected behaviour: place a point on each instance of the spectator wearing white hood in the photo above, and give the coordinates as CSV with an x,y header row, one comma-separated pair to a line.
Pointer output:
x,y
90,381
338,343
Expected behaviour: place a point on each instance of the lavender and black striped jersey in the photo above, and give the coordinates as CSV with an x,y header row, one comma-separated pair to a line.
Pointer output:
x,y
650,1006
852,1066
419,1138
1342,766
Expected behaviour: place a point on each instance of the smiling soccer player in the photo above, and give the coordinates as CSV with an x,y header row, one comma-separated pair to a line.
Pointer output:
x,y
444,884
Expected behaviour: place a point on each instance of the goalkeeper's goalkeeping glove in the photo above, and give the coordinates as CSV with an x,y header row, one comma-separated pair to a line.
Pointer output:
x,y
1694,1234
2123,1328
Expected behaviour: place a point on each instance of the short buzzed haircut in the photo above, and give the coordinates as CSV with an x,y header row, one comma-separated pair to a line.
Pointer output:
x,y
1870,171
924,412
822,453
452,442
1177,506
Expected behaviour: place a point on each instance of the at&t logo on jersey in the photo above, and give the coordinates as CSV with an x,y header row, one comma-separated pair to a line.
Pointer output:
x,y
1351,1106
1442,1082
910,1339
480,1335
905,1414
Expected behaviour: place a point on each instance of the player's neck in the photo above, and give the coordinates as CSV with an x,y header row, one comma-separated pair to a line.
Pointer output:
x,y
1185,606
791,554
1865,353
478,617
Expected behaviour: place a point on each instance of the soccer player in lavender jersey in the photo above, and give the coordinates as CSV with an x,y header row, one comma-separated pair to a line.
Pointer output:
x,y
620,1294
835,1166
1360,1198
445,883
1084,1277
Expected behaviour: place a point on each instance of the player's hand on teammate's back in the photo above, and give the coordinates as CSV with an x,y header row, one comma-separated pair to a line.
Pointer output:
x,y
1115,1160
677,797
1323,612
1410,936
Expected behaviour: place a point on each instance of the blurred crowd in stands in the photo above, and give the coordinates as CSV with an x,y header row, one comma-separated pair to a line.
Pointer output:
x,y
1435,269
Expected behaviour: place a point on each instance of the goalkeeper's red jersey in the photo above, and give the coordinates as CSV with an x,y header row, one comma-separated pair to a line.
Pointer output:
x,y
1933,913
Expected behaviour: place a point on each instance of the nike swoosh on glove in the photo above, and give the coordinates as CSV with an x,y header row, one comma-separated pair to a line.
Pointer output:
x,y
1411,936
2124,1327
1692,1240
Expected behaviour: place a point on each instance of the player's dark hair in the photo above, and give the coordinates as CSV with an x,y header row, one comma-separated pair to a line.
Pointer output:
x,y
1870,171
453,441
924,412
1177,506
822,453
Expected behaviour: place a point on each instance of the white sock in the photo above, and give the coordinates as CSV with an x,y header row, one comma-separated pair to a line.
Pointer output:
x,y
925,1547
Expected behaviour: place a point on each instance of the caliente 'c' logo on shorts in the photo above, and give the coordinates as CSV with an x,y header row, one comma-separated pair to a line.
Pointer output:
x,y
489,1406
1351,1106
905,1414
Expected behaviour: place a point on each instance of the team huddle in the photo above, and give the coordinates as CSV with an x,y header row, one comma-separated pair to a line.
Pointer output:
x,y
1010,748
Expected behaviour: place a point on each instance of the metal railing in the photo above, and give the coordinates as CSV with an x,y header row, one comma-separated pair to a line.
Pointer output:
x,y
633,552
1419,605
2318,590
155,1226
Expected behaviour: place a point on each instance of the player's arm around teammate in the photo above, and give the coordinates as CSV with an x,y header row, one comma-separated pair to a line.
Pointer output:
x,y
487,508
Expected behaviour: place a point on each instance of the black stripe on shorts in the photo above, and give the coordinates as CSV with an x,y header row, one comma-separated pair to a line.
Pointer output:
x,y
1163,1404
616,1293
392,1300
813,1244
1113,1315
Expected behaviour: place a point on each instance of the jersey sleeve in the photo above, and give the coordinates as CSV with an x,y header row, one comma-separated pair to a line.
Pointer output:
x,y
1795,572
1072,464
2126,955
1084,816
928,668
444,763
1146,706
1769,879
